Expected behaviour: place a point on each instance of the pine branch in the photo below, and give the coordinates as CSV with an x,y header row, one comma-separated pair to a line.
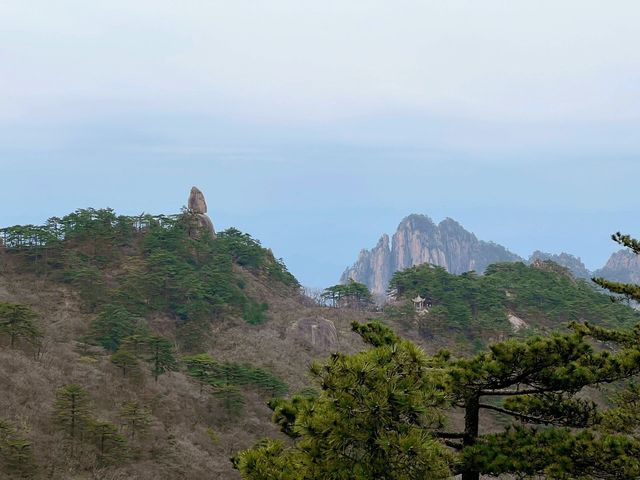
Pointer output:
x,y
629,290
515,414
456,445
627,241
500,393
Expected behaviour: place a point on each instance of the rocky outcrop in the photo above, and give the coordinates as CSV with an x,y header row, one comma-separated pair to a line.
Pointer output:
x,y
419,240
622,266
197,206
516,322
316,332
570,262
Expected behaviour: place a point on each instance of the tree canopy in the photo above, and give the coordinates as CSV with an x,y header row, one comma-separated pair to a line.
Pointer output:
x,y
17,322
478,306
373,418
377,406
348,295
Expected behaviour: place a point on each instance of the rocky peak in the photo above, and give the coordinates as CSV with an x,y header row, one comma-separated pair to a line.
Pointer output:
x,y
570,262
197,206
197,203
622,266
373,265
451,225
419,240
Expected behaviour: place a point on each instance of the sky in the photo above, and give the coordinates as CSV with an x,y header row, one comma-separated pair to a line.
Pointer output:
x,y
318,126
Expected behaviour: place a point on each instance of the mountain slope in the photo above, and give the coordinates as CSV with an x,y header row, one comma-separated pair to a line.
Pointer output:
x,y
226,297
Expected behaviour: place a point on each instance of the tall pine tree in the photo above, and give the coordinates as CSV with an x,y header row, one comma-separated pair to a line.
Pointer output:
x,y
17,322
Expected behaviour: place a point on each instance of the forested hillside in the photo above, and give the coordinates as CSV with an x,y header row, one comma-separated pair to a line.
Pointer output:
x,y
144,265
139,347
509,299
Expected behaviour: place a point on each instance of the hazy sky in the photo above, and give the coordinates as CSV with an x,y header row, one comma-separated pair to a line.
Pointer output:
x,y
317,126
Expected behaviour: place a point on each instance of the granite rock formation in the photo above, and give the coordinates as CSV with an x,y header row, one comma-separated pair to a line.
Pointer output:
x,y
316,332
197,203
419,240
197,206
622,266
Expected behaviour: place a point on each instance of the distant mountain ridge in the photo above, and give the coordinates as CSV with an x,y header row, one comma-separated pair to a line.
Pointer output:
x,y
418,240
622,266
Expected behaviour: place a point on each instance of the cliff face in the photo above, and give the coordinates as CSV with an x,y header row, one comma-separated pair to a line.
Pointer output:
x,y
419,240
622,266
373,265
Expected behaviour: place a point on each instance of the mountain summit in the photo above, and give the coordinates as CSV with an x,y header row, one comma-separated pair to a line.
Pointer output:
x,y
419,240
622,266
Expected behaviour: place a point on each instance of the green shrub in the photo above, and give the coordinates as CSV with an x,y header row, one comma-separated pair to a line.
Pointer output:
x,y
255,313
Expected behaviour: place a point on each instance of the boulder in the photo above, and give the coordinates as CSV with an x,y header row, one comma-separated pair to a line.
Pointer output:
x,y
317,332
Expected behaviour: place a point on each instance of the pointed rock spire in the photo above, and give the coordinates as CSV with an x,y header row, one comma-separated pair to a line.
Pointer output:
x,y
197,203
197,206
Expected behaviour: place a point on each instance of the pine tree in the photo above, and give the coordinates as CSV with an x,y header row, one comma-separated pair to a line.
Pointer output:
x,y
374,418
539,381
16,452
18,457
160,355
231,398
112,325
136,344
201,367
71,409
351,295
624,417
111,445
126,361
88,280
135,418
17,322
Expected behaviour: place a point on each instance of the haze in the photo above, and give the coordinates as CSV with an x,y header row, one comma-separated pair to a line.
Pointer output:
x,y
317,126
